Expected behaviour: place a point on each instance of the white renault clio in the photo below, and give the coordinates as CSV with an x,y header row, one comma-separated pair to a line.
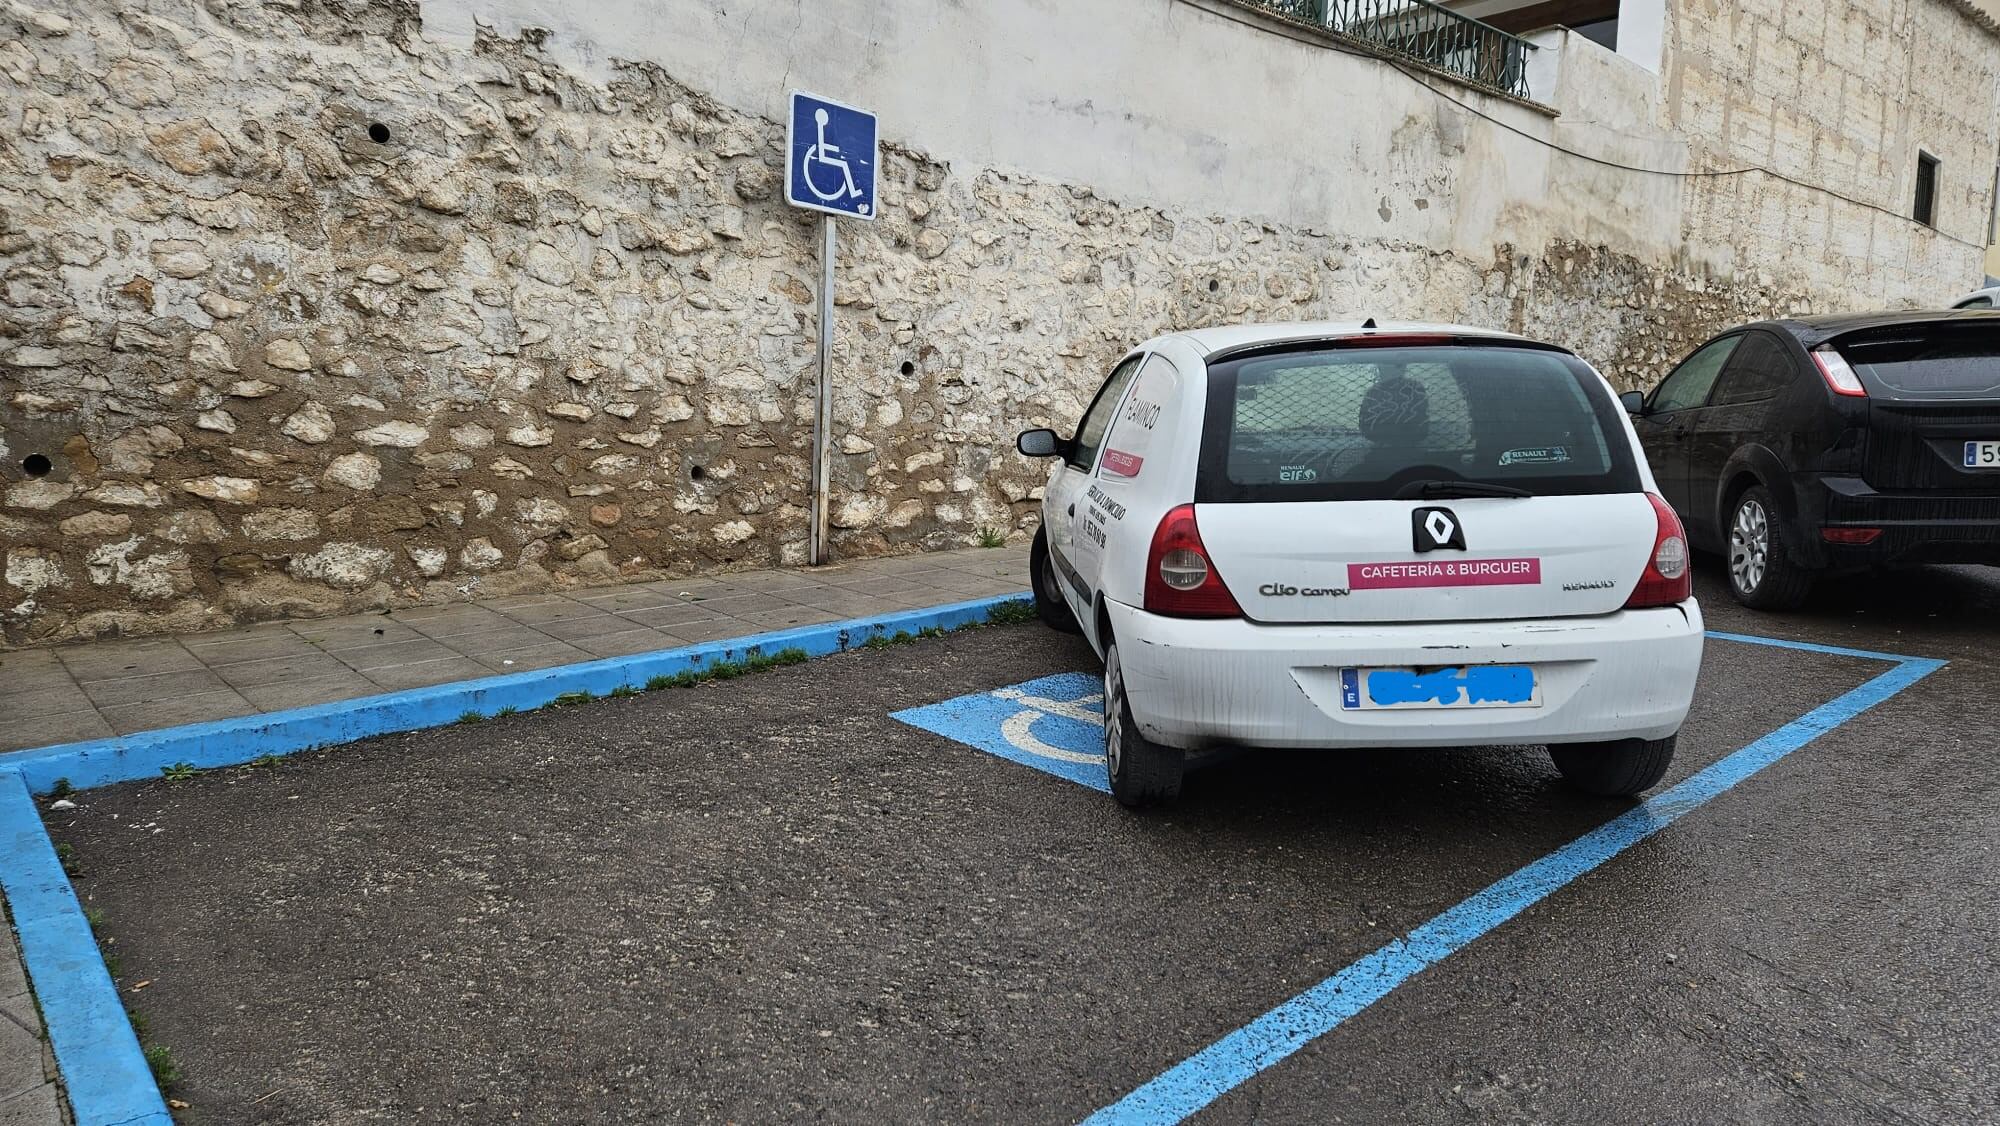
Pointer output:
x,y
1344,535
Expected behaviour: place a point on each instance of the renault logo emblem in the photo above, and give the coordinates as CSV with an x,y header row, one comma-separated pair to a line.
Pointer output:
x,y
1436,529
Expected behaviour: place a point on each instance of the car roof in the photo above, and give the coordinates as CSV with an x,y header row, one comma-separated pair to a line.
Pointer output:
x,y
1231,338
1812,330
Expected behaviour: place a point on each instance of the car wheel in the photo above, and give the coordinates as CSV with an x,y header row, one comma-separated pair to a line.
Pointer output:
x,y
1762,574
1621,768
1141,771
1049,604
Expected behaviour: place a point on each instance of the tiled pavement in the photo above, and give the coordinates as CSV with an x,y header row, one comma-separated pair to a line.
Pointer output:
x,y
98,689
29,1094
103,688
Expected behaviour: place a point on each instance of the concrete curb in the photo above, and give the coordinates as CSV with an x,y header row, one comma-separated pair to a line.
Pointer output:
x,y
227,742
103,1068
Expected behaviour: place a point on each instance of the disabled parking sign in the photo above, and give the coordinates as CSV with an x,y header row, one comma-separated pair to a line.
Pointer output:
x,y
830,157
1053,723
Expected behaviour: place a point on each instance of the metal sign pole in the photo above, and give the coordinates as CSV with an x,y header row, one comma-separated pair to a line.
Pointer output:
x,y
823,417
831,154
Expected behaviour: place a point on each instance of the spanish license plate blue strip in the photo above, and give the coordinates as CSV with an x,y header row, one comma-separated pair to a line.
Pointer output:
x,y
1463,686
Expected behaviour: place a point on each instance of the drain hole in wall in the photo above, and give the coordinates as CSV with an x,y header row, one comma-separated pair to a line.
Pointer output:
x,y
697,473
908,368
37,465
378,132
1213,285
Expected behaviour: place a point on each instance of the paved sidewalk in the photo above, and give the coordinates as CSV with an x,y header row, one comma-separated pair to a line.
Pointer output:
x,y
29,1092
99,689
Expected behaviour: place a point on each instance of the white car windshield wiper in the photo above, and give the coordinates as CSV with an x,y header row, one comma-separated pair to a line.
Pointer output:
x,y
1436,489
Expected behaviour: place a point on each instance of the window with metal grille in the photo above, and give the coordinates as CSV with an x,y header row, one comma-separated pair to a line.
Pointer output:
x,y
1925,211
1363,423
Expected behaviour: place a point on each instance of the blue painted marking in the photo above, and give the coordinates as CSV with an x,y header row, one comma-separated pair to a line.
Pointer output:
x,y
1214,1071
1808,646
983,719
102,762
103,1069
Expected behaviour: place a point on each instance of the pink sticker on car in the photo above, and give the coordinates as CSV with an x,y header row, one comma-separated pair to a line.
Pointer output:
x,y
1449,572
1122,463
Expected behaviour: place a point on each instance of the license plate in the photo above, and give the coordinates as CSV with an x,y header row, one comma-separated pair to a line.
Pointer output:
x,y
1982,455
1460,686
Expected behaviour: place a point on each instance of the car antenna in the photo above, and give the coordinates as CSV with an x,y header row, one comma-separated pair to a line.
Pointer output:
x,y
1369,323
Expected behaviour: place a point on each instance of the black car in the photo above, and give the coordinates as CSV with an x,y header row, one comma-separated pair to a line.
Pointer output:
x,y
1835,443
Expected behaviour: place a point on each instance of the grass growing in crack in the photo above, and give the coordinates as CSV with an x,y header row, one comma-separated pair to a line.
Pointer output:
x,y
61,790
166,1072
470,717
991,537
508,710
1011,613
266,761
655,683
930,632
66,856
179,772
623,691
568,699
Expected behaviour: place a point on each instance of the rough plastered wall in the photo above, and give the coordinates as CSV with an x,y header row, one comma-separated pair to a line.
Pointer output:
x,y
305,310
1841,95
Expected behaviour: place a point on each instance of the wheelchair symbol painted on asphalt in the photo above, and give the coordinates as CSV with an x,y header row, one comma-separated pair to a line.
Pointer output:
x,y
833,156
1019,728
1053,723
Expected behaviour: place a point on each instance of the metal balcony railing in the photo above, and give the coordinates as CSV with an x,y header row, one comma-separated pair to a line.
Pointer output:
x,y
1423,32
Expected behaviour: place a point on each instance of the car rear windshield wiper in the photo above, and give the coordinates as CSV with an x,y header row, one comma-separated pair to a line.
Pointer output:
x,y
1436,488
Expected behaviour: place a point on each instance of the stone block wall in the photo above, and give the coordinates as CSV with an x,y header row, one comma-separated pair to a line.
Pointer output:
x,y
304,313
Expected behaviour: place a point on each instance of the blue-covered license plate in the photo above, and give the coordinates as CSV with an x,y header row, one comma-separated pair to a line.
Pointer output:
x,y
1982,455
1459,686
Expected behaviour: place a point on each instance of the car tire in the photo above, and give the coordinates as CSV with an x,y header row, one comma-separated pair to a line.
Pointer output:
x,y
1049,604
1621,768
1141,772
1762,573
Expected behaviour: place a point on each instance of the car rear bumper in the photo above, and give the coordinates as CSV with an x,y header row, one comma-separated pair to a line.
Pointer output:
x,y
1934,526
1195,684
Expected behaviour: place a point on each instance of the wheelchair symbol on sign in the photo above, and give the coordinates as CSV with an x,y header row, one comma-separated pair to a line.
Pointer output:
x,y
822,154
1019,728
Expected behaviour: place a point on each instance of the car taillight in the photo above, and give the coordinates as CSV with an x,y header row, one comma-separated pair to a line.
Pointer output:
x,y
1181,581
1666,580
1838,375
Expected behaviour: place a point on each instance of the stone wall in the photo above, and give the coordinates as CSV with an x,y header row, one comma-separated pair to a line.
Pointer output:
x,y
1842,96
307,312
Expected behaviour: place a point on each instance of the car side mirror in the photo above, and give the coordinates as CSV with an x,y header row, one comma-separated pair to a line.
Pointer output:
x,y
1040,442
1635,402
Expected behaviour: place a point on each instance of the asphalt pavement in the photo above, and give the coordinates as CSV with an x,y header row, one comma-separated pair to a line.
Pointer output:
x,y
767,899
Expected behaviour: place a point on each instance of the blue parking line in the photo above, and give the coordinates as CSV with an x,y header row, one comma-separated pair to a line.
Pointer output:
x,y
103,1070
1228,1063
228,742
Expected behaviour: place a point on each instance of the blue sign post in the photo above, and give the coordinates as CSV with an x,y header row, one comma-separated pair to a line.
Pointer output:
x,y
830,160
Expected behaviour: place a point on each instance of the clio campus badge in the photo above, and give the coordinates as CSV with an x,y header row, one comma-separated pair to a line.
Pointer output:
x,y
1436,529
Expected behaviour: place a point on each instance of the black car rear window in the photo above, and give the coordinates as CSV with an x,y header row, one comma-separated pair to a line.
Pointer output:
x,y
1928,360
1363,423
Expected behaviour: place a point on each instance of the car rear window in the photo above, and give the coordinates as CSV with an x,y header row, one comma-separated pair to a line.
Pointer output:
x,y
1928,361
1363,423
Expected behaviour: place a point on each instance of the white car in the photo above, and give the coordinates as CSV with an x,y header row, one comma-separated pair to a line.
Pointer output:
x,y
1344,535
1979,299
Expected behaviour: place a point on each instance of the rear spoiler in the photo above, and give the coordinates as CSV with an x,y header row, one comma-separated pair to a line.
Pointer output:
x,y
1387,338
